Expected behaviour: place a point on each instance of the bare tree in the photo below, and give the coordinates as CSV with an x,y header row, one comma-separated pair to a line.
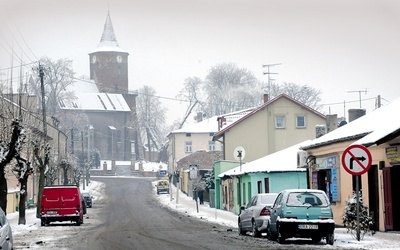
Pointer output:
x,y
43,164
65,165
151,117
229,88
303,93
58,76
22,170
8,150
190,93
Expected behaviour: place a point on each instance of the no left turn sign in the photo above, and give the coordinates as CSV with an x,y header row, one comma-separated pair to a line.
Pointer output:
x,y
356,159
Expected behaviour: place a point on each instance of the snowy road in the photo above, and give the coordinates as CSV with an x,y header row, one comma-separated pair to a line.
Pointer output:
x,y
126,215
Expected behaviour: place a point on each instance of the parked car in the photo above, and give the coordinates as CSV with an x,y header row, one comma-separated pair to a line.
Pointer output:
x,y
255,216
61,203
88,199
162,186
6,238
301,213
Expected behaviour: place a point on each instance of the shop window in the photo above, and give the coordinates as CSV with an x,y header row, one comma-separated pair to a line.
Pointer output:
x,y
326,177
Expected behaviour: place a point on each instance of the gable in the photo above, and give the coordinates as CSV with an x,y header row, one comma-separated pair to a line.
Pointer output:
x,y
283,101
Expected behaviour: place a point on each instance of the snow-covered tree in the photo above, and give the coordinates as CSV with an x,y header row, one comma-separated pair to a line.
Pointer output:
x,y
228,88
65,165
209,179
349,216
191,94
58,75
303,93
151,118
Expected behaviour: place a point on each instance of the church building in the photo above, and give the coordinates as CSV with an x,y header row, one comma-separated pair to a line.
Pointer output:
x,y
105,102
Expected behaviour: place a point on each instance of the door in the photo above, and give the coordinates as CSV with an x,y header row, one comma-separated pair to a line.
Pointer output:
x,y
387,199
373,192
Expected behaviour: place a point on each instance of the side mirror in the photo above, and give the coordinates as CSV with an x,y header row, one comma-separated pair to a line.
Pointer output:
x,y
242,208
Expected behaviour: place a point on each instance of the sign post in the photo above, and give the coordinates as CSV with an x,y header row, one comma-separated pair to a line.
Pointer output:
x,y
356,160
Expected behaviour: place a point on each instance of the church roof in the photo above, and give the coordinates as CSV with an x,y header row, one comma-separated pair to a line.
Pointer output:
x,y
108,41
95,102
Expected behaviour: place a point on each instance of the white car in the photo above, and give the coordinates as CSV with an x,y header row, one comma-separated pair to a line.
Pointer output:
x,y
254,217
6,239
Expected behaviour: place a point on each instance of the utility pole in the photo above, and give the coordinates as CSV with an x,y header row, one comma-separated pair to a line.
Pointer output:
x,y
269,78
42,167
359,93
83,163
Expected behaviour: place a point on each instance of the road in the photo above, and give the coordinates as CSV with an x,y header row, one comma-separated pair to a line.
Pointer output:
x,y
129,217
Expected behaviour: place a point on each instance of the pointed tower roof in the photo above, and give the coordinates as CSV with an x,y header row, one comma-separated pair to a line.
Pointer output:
x,y
108,41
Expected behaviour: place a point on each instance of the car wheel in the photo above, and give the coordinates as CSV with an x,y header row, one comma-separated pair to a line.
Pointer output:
x,y
255,231
78,222
281,238
241,231
316,239
330,238
270,236
42,222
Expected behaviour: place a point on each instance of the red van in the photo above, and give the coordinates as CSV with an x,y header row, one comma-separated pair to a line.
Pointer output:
x,y
61,203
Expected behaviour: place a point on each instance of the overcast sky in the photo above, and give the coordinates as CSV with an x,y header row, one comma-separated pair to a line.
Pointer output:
x,y
334,46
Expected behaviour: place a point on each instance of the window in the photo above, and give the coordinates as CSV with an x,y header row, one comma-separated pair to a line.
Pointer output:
x,y
300,121
188,134
211,145
188,147
259,187
266,185
279,122
212,134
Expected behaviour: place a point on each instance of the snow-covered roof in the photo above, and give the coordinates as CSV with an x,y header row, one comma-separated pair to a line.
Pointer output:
x,y
366,130
83,86
210,125
206,126
281,161
108,41
96,102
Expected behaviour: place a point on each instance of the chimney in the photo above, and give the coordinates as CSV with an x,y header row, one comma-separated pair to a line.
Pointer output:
x,y
265,98
331,123
356,113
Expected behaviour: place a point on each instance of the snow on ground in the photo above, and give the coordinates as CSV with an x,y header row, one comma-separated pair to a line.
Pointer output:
x,y
186,205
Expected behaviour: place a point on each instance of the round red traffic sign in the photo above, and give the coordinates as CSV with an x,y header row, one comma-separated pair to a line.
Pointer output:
x,y
356,159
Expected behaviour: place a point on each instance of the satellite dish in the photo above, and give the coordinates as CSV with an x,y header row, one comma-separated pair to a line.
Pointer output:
x,y
239,153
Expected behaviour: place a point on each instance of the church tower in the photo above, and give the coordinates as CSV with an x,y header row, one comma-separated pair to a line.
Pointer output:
x,y
109,63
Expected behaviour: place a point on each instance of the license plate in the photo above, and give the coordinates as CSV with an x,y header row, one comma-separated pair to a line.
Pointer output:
x,y
307,226
51,212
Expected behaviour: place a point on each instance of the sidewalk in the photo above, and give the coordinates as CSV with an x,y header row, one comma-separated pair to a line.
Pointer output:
x,y
343,239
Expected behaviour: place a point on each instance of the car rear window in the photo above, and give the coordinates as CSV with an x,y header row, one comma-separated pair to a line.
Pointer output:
x,y
306,199
268,199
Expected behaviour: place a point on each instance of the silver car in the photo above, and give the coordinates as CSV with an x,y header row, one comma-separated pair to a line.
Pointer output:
x,y
254,217
6,239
